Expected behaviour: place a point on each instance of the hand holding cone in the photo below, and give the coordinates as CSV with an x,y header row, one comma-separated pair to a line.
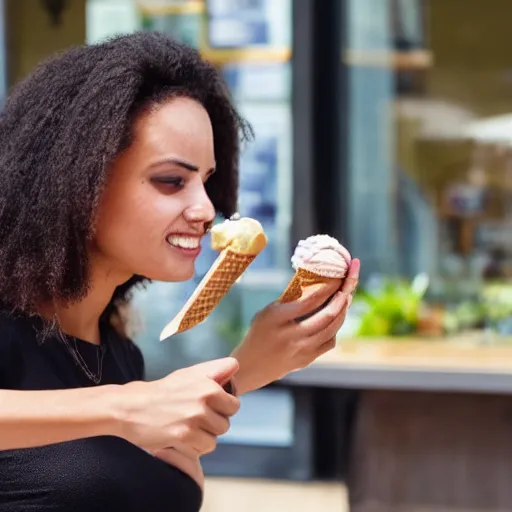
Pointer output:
x,y
318,260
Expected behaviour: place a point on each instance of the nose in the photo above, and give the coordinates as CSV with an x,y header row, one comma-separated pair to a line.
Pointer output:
x,y
200,209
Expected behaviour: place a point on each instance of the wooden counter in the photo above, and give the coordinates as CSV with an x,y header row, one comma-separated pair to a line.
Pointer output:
x,y
432,428
454,364
463,353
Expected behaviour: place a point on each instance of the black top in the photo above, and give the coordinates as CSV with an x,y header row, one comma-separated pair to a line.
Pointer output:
x,y
100,474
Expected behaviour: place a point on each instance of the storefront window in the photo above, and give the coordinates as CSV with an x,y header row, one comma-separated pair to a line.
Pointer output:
x,y
429,163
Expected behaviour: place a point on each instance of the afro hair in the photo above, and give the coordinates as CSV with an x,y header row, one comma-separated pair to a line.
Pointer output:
x,y
61,128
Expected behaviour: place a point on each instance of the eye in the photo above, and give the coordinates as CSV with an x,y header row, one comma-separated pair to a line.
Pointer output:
x,y
173,183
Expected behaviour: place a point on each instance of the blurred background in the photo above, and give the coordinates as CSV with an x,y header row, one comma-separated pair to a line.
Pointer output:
x,y
387,124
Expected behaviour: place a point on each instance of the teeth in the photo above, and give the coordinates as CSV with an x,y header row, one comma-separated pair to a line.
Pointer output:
x,y
185,242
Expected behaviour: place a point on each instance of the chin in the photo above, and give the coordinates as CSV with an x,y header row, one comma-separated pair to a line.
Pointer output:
x,y
174,276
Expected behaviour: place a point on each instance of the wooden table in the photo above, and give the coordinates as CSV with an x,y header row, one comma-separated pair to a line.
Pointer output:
x,y
433,424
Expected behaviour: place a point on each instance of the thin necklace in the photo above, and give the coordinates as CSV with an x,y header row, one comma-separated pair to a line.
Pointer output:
x,y
79,360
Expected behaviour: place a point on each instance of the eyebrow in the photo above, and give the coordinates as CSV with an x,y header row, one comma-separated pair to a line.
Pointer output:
x,y
180,163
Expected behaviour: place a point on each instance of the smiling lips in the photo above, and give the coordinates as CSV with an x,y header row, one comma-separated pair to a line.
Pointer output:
x,y
185,243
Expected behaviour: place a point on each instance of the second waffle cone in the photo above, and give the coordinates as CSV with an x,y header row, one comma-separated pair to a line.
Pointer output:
x,y
301,280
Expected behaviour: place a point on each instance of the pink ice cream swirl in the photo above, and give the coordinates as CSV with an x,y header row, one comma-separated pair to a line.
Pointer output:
x,y
322,255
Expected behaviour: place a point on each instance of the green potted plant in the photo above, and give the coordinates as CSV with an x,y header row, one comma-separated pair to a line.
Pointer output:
x,y
392,308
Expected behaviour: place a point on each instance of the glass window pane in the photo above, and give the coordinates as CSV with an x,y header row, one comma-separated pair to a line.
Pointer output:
x,y
429,158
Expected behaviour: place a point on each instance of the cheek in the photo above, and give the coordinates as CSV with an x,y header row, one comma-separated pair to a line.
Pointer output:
x,y
134,225
116,225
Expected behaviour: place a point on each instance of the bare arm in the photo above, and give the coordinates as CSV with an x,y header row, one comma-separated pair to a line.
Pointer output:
x,y
187,410
36,418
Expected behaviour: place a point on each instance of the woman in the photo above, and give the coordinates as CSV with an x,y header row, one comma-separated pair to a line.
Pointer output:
x,y
114,160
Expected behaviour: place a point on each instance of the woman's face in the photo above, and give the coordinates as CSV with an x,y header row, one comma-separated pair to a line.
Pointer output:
x,y
153,213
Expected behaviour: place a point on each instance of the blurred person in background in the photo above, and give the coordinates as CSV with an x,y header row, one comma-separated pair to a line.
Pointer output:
x,y
114,160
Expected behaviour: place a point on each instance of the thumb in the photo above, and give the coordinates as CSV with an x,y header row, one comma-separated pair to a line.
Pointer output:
x,y
219,370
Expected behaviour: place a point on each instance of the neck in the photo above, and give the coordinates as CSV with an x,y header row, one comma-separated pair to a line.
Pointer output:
x,y
81,319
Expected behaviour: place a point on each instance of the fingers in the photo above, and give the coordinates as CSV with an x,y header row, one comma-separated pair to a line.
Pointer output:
x,y
195,442
211,425
214,423
326,339
219,370
223,403
326,346
203,443
311,302
333,314
352,279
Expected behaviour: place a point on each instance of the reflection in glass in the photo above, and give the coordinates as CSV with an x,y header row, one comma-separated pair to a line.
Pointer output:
x,y
430,163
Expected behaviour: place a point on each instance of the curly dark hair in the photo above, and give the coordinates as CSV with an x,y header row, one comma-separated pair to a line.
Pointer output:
x,y
60,130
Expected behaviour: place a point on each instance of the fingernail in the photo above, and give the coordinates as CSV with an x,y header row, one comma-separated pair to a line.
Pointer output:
x,y
349,301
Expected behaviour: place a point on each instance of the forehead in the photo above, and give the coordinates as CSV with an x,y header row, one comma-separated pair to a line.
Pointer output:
x,y
180,125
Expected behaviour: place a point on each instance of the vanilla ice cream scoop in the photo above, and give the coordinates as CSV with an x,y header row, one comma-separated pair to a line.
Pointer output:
x,y
322,255
242,235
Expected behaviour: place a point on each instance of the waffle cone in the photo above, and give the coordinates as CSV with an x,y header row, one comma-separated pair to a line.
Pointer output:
x,y
301,280
226,269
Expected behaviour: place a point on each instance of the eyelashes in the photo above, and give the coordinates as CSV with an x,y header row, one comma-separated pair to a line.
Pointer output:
x,y
171,182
